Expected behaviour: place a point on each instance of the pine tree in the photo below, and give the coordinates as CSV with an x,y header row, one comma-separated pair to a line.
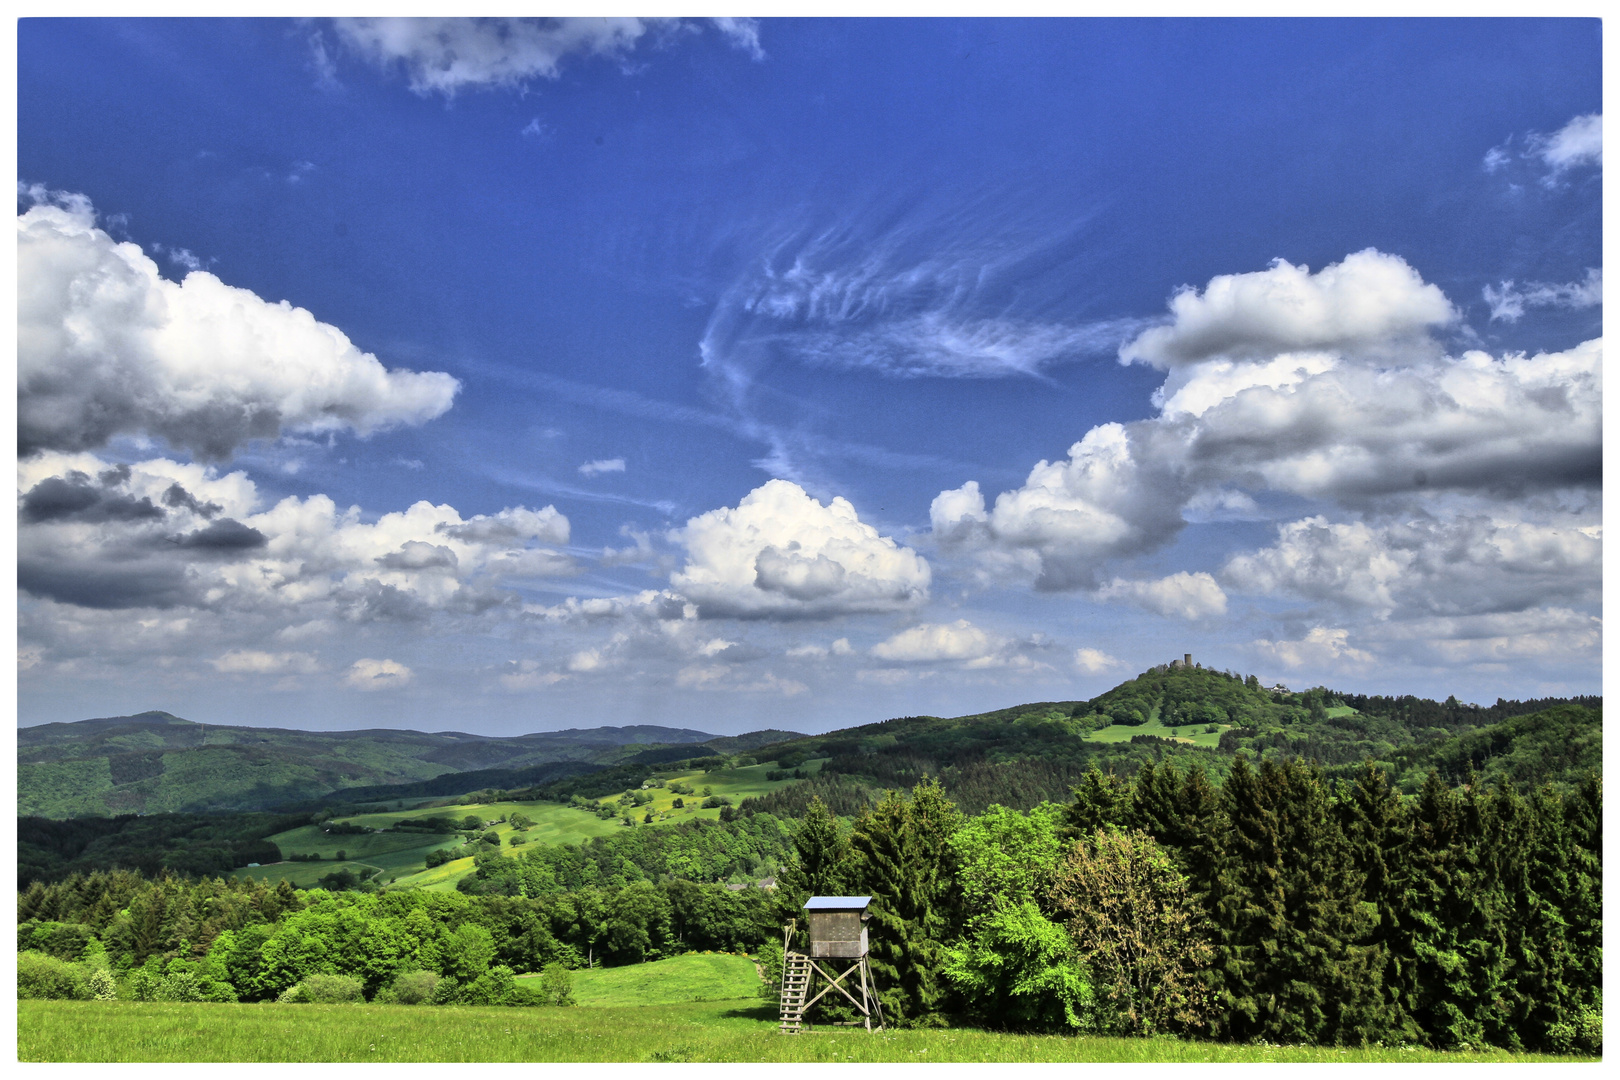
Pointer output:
x,y
1288,916
903,860
1377,837
1099,800
820,865
1450,933
1581,904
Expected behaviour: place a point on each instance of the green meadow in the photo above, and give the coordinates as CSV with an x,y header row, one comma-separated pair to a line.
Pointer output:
x,y
690,977
1191,734
741,1030
400,856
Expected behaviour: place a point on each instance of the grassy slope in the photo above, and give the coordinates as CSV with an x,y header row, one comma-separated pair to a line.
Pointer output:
x,y
741,1030
691,977
402,855
1189,734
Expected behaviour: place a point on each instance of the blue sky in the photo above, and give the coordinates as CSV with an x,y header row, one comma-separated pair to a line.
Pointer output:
x,y
508,376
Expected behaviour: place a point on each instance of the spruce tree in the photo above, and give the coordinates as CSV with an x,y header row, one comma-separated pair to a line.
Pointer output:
x,y
819,866
1288,915
1100,800
903,860
1581,903
1377,838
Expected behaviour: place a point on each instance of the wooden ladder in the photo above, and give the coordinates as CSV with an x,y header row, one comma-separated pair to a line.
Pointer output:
x,y
795,985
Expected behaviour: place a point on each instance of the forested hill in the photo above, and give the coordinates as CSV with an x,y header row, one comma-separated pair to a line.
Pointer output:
x,y
1020,756
156,762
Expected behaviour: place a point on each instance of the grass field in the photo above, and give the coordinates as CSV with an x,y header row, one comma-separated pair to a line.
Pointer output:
x,y
692,977
1191,734
400,856
740,1030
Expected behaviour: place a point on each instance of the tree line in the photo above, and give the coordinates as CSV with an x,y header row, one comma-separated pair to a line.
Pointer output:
x,y
223,939
1281,906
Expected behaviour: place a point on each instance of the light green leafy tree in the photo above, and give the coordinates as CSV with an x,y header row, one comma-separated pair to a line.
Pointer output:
x,y
1015,965
1138,931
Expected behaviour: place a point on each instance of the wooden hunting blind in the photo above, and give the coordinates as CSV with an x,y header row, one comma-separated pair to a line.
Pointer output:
x,y
837,931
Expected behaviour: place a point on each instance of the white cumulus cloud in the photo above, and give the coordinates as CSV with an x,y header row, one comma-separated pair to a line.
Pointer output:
x,y
1321,647
1287,383
1423,565
1095,661
106,346
1184,595
257,662
369,674
781,554
1371,300
927,642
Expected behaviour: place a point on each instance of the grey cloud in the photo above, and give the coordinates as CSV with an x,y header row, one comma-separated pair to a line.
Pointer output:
x,y
128,585
373,601
74,498
178,497
224,535
418,555
794,575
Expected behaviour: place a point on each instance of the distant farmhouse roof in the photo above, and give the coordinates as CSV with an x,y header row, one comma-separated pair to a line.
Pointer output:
x,y
837,903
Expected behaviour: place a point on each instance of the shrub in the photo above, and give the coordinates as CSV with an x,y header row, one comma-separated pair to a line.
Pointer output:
x,y
1582,1033
491,837
715,800
493,987
101,985
446,992
318,989
178,986
414,987
40,975
143,984
556,986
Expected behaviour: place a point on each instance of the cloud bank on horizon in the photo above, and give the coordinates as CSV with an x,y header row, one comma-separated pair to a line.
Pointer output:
x,y
1346,474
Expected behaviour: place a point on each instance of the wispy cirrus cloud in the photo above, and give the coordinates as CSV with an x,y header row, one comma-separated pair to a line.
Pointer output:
x,y
1509,300
1578,144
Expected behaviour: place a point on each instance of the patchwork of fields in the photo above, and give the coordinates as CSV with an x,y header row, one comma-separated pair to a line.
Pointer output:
x,y
399,856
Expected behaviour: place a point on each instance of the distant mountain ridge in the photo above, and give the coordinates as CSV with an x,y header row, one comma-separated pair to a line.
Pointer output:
x,y
156,762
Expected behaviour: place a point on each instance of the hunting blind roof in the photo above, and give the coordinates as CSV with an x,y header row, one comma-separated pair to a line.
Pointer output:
x,y
837,903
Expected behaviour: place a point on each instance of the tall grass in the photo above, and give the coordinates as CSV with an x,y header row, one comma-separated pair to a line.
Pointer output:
x,y
122,1031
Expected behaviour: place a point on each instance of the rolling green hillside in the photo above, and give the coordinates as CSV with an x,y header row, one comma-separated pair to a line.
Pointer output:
x,y
1021,756
155,762
397,856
